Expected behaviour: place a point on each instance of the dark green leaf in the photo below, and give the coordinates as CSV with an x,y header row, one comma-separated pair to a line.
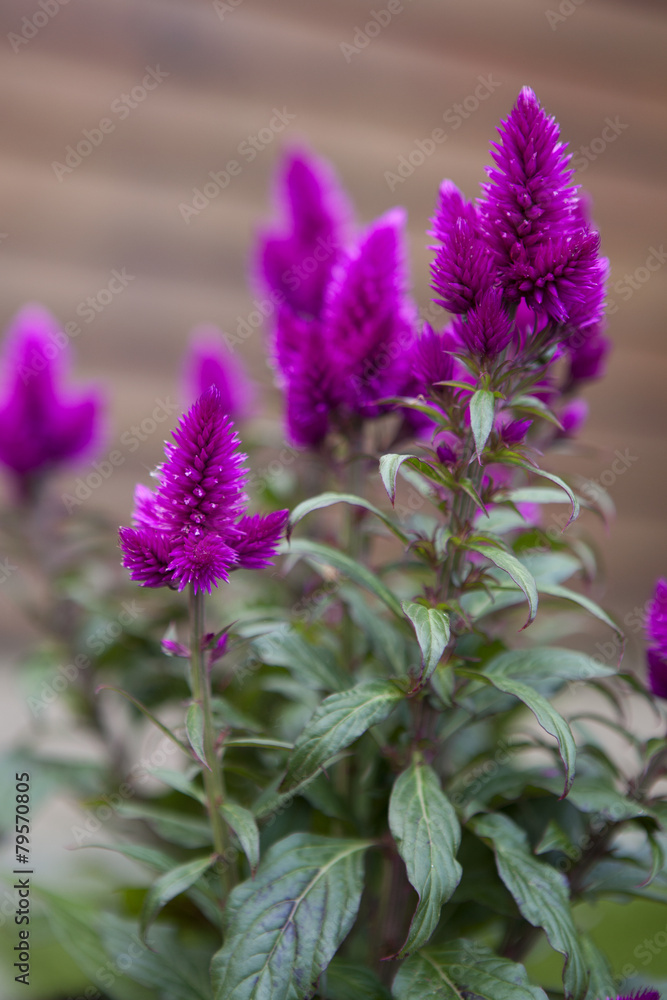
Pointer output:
x,y
514,569
540,892
244,825
284,926
424,825
432,630
170,885
339,721
462,969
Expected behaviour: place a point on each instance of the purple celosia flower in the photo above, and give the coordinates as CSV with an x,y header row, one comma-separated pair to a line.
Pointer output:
x,y
656,633
41,426
573,416
588,358
296,260
430,359
486,330
208,362
192,529
639,995
463,268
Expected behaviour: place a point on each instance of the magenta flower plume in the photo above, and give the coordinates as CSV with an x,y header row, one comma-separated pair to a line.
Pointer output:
x,y
431,359
463,269
187,531
296,259
487,329
640,995
209,362
656,633
42,426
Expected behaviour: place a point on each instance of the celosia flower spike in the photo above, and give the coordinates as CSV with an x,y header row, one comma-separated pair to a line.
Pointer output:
x,y
656,632
210,362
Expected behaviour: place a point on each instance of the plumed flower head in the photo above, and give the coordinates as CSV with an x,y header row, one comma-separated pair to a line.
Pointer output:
x,y
42,426
487,329
463,269
640,995
210,362
296,259
188,532
656,633
431,360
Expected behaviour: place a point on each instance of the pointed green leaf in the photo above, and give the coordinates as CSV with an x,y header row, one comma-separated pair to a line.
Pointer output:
x,y
389,466
541,663
244,825
547,716
432,630
424,825
515,570
177,828
284,926
540,892
339,721
461,969
194,727
178,781
555,590
482,409
310,664
318,552
329,499
510,458
170,885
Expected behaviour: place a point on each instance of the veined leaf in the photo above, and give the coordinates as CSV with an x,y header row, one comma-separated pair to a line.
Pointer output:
x,y
244,825
512,459
482,409
424,825
339,721
460,969
547,716
329,499
514,569
284,926
389,466
553,661
321,553
432,630
312,665
170,885
540,892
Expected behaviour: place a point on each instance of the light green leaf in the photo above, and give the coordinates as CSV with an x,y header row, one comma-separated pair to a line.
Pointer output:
x,y
312,665
244,825
539,664
432,629
194,727
284,926
462,969
339,721
514,569
536,494
512,459
547,716
329,499
555,590
318,552
259,742
389,466
424,825
482,409
170,885
540,892
177,828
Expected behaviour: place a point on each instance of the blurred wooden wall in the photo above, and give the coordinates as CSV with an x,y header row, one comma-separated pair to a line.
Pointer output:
x,y
226,67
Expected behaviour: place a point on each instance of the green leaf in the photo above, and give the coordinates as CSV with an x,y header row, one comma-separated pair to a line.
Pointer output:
x,y
244,825
339,721
284,926
178,781
389,466
177,828
555,590
149,715
329,499
540,892
537,407
539,664
602,983
424,825
348,981
432,630
194,727
547,716
318,552
536,494
170,885
510,458
462,969
312,665
482,409
516,570
259,742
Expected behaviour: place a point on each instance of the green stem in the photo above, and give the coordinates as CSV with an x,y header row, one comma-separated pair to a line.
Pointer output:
x,y
201,693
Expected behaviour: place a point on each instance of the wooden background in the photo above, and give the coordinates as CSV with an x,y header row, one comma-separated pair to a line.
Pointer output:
x,y
227,70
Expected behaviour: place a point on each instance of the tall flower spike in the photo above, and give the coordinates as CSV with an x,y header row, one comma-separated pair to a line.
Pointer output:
x,y
296,259
41,426
656,632
208,362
